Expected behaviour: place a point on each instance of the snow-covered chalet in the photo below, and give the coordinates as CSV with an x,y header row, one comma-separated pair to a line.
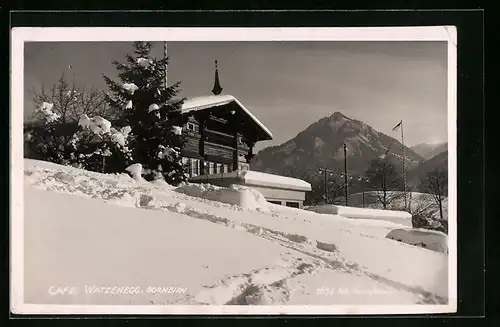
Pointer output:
x,y
221,135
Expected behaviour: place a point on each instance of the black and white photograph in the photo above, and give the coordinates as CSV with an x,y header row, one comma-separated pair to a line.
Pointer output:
x,y
286,171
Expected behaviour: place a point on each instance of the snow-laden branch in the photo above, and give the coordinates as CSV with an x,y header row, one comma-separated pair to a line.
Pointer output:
x,y
46,109
130,87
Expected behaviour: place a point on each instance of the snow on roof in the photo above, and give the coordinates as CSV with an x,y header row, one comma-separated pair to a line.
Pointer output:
x,y
258,178
255,178
204,102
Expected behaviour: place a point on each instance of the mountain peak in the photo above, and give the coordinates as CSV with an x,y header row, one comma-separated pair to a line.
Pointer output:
x,y
337,116
320,145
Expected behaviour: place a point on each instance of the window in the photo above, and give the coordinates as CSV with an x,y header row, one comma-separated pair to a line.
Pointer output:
x,y
195,167
292,204
190,127
274,202
210,166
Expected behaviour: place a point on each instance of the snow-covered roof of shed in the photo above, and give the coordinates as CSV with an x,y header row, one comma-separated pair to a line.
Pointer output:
x,y
210,101
255,178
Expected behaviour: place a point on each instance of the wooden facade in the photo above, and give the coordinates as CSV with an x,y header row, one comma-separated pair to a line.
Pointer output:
x,y
219,139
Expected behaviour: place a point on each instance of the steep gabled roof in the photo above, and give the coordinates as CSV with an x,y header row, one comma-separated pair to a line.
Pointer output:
x,y
210,101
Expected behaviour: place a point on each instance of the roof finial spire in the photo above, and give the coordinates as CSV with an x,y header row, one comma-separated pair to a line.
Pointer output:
x,y
217,88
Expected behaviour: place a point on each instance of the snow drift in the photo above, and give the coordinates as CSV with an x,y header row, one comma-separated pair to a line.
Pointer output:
x,y
417,201
84,228
244,197
399,217
432,240
85,242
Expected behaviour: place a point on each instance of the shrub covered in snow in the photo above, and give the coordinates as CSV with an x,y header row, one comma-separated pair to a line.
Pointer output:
x,y
150,112
97,124
46,110
99,147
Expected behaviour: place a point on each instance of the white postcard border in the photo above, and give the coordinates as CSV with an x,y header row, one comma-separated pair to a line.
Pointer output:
x,y
19,35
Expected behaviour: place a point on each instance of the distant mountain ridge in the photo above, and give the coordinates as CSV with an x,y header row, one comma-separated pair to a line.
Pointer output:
x,y
427,151
418,174
321,145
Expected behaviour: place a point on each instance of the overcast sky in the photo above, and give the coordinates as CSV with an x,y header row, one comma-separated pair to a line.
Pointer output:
x,y
287,85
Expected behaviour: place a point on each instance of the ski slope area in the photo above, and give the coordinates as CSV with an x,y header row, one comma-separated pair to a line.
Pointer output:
x,y
398,217
417,201
87,229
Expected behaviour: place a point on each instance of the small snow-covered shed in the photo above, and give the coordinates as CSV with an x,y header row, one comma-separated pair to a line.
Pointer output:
x,y
276,189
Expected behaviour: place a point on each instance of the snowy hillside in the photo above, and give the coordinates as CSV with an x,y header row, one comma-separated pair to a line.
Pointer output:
x,y
419,203
429,239
85,229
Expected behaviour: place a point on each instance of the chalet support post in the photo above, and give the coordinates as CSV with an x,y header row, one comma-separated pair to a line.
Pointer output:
x,y
250,151
202,166
202,145
235,150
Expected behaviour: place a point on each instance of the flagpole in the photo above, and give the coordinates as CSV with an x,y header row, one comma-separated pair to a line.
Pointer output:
x,y
165,55
403,163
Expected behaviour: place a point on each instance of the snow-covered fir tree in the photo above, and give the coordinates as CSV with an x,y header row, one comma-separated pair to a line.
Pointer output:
x,y
149,108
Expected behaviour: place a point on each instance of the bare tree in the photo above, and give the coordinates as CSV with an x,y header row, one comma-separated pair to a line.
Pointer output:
x,y
335,191
385,180
317,193
48,140
70,101
436,183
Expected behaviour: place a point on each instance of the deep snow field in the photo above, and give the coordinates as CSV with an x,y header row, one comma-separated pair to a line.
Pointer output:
x,y
84,229
417,202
